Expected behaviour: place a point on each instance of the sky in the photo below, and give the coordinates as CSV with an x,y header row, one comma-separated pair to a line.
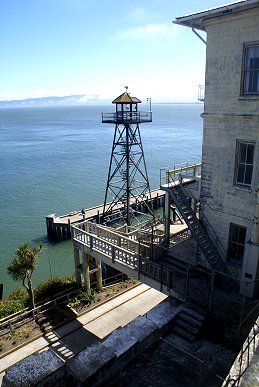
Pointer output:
x,y
96,47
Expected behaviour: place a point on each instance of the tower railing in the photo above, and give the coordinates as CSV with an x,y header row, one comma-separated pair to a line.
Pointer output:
x,y
126,117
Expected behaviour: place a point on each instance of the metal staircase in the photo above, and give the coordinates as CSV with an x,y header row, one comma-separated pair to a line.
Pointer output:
x,y
199,233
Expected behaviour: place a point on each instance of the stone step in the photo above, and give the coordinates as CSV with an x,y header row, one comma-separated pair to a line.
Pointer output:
x,y
183,333
187,319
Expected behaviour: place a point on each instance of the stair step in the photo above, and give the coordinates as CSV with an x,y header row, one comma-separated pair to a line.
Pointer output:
x,y
183,333
189,321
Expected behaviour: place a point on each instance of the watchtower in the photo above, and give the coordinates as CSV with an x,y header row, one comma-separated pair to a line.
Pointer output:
x,y
127,193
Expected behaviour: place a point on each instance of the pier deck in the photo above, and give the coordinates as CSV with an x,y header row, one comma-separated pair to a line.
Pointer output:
x,y
58,227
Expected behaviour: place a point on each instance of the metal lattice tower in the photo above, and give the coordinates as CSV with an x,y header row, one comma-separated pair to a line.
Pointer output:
x,y
127,191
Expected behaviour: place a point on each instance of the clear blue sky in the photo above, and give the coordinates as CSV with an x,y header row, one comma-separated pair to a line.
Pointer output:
x,y
63,47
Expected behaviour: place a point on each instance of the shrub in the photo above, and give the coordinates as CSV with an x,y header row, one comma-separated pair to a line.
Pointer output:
x,y
9,307
52,287
86,298
19,294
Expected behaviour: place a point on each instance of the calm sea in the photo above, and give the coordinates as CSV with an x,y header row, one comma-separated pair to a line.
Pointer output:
x,y
55,160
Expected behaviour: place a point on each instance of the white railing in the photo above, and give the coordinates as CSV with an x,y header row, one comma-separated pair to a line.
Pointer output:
x,y
179,173
110,244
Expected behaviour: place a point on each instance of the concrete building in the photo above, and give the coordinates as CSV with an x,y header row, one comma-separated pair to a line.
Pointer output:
x,y
230,155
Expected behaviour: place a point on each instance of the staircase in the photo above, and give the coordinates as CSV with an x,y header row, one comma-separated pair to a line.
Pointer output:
x,y
188,323
199,233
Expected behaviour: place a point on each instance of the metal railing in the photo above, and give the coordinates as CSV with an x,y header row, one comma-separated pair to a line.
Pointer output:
x,y
171,176
244,358
21,317
127,117
191,361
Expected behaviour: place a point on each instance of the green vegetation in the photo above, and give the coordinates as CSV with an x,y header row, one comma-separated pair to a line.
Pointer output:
x,y
9,307
23,265
52,287
83,298
19,299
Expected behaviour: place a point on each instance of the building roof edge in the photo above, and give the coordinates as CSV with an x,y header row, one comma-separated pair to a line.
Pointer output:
x,y
196,20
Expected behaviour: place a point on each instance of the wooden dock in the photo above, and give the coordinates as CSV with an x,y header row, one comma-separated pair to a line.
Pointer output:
x,y
58,227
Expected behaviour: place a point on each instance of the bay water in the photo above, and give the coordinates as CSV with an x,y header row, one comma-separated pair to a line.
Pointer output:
x,y
56,159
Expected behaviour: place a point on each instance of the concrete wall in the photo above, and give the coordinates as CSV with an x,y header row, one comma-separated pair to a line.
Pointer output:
x,y
229,117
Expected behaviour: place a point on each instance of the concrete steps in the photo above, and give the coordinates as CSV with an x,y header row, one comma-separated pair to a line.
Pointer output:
x,y
188,323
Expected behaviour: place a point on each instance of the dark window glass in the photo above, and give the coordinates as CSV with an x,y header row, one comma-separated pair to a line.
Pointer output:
x,y
244,163
236,244
251,70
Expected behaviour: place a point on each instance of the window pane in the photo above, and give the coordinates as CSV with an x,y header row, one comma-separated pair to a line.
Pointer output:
x,y
232,250
251,70
242,152
241,173
236,247
240,252
249,57
242,235
256,57
246,82
256,81
248,175
250,153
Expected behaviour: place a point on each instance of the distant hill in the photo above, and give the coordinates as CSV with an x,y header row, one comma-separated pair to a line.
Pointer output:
x,y
78,99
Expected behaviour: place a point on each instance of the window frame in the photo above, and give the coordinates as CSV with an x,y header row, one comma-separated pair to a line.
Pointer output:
x,y
239,163
243,92
236,243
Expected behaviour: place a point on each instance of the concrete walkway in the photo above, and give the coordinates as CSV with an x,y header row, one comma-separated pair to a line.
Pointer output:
x,y
91,327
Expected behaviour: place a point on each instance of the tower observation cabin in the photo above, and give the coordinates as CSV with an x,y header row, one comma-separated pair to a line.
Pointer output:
x,y
127,192
126,111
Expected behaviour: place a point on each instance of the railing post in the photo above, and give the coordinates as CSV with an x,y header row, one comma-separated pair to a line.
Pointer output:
x,y
113,254
91,243
139,265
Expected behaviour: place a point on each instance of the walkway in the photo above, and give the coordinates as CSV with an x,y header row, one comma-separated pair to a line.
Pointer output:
x,y
91,327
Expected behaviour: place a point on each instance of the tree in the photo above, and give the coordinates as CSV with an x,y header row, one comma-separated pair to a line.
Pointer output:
x,y
23,265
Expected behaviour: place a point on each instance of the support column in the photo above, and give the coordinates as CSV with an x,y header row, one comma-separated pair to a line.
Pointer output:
x,y
77,264
87,282
167,216
99,284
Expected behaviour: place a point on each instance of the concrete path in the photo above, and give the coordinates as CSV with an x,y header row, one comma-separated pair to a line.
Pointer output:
x,y
91,327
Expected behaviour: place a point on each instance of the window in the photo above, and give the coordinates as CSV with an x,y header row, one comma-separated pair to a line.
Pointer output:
x,y
236,242
244,163
251,70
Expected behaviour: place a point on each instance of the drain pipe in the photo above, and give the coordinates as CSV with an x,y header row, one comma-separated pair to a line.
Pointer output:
x,y
199,36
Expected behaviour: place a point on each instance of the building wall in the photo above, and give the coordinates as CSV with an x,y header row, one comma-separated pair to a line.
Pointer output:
x,y
229,117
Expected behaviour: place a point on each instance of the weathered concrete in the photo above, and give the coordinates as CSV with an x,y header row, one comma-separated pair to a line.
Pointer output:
x,y
34,369
99,361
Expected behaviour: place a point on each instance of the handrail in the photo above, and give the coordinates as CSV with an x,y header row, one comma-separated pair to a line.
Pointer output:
x,y
171,174
11,318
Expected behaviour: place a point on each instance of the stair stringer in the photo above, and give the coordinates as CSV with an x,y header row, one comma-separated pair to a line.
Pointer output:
x,y
202,238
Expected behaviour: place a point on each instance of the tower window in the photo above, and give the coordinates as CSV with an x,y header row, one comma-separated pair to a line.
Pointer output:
x,y
244,163
251,70
236,242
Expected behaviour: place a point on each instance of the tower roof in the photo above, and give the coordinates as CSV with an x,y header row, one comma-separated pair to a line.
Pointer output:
x,y
126,98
